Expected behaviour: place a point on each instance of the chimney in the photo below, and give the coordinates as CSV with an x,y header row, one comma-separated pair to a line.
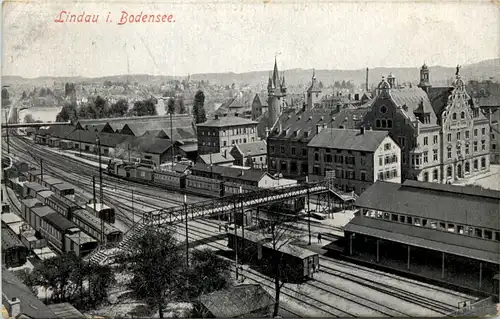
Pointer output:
x,y
362,130
15,307
216,117
366,80
318,128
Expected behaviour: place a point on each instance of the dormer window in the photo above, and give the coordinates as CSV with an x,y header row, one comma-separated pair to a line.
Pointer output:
x,y
306,134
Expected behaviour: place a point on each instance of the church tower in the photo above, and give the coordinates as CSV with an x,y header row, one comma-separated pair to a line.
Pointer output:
x,y
313,93
424,78
276,92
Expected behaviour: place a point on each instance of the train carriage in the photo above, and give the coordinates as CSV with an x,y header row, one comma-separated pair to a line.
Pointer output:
x,y
27,205
64,189
50,182
258,249
62,205
168,178
31,189
42,196
92,225
37,214
144,173
205,186
32,175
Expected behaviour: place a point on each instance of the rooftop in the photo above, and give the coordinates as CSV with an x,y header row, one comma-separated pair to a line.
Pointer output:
x,y
459,204
30,202
10,218
95,221
345,139
59,222
31,306
146,144
35,186
227,121
216,158
42,211
253,148
10,239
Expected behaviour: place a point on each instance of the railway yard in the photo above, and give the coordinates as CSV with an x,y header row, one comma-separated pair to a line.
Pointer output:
x,y
338,289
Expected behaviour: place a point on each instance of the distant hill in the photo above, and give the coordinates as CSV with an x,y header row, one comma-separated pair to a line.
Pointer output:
x,y
482,70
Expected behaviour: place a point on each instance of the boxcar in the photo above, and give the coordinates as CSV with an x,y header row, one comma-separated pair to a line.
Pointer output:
x,y
55,228
50,182
32,175
205,186
144,173
63,189
79,243
231,188
36,215
43,195
92,225
258,249
27,205
102,211
31,189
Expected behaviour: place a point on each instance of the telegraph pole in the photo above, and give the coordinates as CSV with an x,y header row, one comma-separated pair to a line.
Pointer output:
x,y
235,238
308,211
100,170
242,224
41,171
133,217
8,143
187,237
172,139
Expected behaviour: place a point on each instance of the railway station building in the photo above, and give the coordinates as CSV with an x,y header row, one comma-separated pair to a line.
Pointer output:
x,y
437,231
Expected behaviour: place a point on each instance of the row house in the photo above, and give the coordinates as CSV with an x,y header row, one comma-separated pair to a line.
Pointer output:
x,y
354,159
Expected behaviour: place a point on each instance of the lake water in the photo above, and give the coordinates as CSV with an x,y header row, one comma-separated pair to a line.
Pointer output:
x,y
44,114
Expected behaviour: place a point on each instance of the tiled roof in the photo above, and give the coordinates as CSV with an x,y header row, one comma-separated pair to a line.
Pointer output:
x,y
438,97
293,125
253,148
31,306
346,139
216,158
59,222
10,239
244,175
349,118
61,131
35,186
459,204
236,302
180,168
143,124
206,168
106,139
146,144
226,121
410,99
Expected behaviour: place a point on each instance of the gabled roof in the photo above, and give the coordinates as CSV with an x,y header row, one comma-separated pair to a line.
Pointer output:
x,y
10,239
464,205
409,99
226,121
302,125
61,131
206,168
146,144
346,139
244,175
253,148
349,118
438,97
260,98
31,306
237,301
216,158
106,139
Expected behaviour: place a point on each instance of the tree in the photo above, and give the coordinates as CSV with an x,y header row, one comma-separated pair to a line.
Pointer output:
x,y
157,265
144,108
28,118
5,97
208,272
67,113
43,92
170,106
100,106
198,107
182,107
118,109
25,276
24,96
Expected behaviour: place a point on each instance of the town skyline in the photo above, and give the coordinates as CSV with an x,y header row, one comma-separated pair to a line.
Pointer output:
x,y
355,39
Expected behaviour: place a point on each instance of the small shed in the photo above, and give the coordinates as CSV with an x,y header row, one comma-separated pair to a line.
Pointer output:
x,y
247,300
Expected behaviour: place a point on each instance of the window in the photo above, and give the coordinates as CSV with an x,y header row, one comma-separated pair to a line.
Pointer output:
x,y
479,232
394,217
483,163
363,176
377,123
282,148
483,145
467,149
387,146
384,124
467,134
435,175
426,177
426,140
449,153
433,224
475,146
488,234
293,150
475,165
451,228
494,146
458,135
483,131
467,167
460,229
381,176
225,143
462,115
304,152
389,123
401,218
449,171
454,116
386,215
417,222
475,132
459,150
435,139
497,236
316,156
426,157
380,161
409,220
449,137
434,155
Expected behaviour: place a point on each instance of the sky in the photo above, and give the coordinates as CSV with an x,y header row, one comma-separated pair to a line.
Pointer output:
x,y
243,36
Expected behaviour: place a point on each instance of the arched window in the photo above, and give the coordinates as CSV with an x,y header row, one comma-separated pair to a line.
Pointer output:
x,y
384,124
435,175
389,123
462,115
454,116
426,177
449,171
377,123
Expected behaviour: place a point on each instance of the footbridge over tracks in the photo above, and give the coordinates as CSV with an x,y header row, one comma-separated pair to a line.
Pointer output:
x,y
326,194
